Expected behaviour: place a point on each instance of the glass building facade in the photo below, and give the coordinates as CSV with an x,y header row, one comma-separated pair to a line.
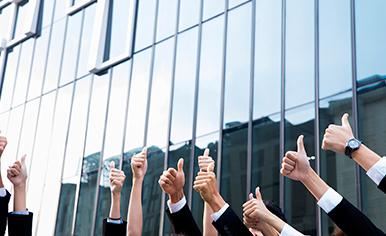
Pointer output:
x,y
84,82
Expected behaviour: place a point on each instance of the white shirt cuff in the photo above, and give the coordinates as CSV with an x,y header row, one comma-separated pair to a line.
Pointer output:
x,y
3,192
25,213
377,171
118,222
289,231
176,206
329,200
217,215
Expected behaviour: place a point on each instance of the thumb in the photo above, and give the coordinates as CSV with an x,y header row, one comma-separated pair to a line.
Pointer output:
x,y
22,160
206,152
258,194
112,165
210,167
250,196
345,122
301,144
181,164
144,150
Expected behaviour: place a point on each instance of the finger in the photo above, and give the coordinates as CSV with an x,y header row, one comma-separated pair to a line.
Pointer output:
x,y
181,165
285,172
137,164
287,167
258,194
345,122
211,167
14,171
168,175
166,180
144,151
289,161
292,156
206,152
112,165
22,160
250,196
300,144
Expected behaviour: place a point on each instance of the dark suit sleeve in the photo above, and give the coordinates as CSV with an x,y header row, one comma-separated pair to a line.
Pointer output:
x,y
352,221
3,212
229,224
382,184
111,229
20,225
183,222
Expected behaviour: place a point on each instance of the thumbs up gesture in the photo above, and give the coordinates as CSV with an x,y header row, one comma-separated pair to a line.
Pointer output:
x,y
336,136
206,183
255,207
172,181
117,177
205,160
139,164
17,172
295,164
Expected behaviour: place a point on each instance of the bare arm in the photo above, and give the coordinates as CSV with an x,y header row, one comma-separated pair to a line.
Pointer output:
x,y
134,217
117,177
3,143
17,174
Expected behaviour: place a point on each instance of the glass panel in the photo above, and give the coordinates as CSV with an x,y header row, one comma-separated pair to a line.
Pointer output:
x,y
145,24
233,3
9,79
266,156
151,204
74,153
23,8
60,10
46,225
23,72
4,121
117,28
54,56
128,184
38,64
370,46
37,172
334,47
91,158
212,8
46,11
177,151
267,92
71,48
28,129
238,66
116,112
372,131
209,141
300,53
336,169
5,16
113,138
13,134
160,95
209,91
233,180
189,14
136,116
167,17
184,86
57,148
88,23
300,205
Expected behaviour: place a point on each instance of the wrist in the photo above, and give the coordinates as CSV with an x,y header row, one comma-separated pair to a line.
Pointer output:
x,y
176,197
19,187
216,203
309,174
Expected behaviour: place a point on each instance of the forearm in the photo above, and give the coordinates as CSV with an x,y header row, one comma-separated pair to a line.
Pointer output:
x,y
276,222
208,228
19,203
134,218
365,157
115,206
216,203
315,184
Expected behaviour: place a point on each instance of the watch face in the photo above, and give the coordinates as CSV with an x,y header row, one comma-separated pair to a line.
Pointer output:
x,y
354,143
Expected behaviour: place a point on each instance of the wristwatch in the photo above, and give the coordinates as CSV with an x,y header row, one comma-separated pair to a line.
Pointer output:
x,y
352,145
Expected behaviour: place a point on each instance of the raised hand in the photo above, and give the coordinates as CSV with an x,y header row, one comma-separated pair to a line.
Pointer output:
x,y
336,136
117,178
139,164
255,208
17,172
172,182
295,164
205,160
